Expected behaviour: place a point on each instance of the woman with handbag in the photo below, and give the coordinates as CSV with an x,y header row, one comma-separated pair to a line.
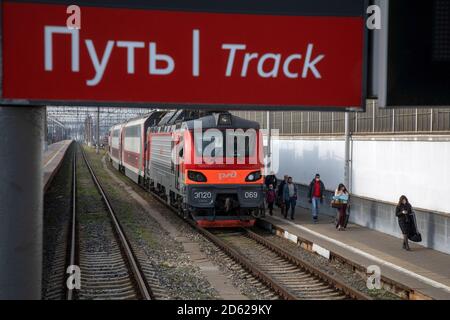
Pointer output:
x,y
340,201
404,215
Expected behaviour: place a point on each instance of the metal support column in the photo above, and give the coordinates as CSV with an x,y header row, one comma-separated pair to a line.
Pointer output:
x,y
269,139
373,115
78,128
393,120
347,152
416,126
431,120
98,131
21,201
332,122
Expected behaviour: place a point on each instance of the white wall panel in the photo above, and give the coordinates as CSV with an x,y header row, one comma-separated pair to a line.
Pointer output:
x,y
381,170
385,170
302,159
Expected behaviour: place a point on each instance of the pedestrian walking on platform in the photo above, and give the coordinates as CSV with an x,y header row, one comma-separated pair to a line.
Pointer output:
x,y
404,215
280,195
316,195
270,198
340,201
290,197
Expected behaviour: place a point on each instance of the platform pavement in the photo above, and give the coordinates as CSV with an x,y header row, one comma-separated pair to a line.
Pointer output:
x,y
52,160
425,271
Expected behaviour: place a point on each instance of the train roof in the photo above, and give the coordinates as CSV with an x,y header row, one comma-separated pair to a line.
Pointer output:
x,y
209,119
116,126
151,118
223,120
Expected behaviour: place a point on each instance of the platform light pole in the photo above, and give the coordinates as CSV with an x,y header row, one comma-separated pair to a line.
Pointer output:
x,y
22,132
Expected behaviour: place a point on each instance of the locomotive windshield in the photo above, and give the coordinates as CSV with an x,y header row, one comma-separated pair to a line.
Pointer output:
x,y
228,143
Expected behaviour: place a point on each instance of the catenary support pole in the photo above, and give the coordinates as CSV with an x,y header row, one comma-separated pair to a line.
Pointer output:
x,y
98,130
21,205
347,152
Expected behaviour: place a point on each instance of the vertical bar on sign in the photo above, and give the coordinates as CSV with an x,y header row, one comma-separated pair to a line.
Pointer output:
x,y
195,52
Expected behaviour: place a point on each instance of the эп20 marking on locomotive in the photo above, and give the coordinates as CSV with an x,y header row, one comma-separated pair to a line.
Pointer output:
x,y
206,164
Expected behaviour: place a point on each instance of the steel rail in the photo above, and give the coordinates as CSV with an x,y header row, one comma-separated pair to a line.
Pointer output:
x,y
260,274
336,283
72,241
269,281
133,263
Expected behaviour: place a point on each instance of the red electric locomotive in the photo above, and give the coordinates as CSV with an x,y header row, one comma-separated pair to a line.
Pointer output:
x,y
207,164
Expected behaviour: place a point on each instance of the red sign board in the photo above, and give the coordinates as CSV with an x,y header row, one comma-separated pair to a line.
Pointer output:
x,y
172,58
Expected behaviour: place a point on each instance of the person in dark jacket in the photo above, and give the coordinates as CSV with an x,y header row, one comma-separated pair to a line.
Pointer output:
x,y
290,197
403,213
271,179
280,194
270,198
316,195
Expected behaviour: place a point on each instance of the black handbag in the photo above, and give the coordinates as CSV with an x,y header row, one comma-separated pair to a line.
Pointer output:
x,y
414,234
417,237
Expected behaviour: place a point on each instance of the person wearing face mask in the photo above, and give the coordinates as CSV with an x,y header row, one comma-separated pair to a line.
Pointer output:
x,y
270,198
316,195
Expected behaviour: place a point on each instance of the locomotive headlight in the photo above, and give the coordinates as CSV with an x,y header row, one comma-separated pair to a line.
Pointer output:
x,y
253,176
196,176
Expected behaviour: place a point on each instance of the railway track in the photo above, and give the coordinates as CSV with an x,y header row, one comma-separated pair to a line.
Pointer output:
x,y
98,245
288,276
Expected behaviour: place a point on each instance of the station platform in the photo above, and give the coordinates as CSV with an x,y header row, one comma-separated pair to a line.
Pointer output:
x,y
421,273
52,160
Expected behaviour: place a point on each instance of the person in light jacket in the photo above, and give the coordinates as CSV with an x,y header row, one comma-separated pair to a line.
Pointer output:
x,y
342,196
